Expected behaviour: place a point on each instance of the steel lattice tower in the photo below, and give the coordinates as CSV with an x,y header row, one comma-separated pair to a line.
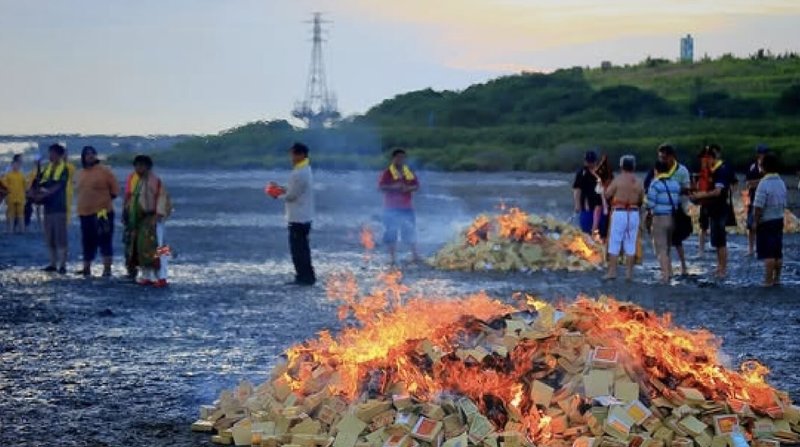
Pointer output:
x,y
319,105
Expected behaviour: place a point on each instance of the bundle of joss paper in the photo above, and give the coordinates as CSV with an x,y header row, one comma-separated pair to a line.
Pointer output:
x,y
274,190
518,241
474,371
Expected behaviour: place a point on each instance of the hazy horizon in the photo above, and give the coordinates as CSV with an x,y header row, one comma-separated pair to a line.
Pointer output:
x,y
201,66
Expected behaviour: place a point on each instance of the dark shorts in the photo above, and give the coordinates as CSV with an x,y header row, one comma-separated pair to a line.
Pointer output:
x,y
400,223
704,219
587,220
93,237
716,226
769,239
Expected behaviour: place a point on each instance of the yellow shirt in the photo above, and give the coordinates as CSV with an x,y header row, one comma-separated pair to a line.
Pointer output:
x,y
70,189
15,183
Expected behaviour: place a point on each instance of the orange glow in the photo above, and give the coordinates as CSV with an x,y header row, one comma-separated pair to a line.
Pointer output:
x,y
579,247
478,231
664,351
428,346
514,225
367,238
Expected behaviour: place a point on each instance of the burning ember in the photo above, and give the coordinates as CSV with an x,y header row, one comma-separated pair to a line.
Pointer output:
x,y
367,238
515,240
438,372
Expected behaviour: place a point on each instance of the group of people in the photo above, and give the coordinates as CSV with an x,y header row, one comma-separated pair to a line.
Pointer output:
x,y
397,182
51,187
610,208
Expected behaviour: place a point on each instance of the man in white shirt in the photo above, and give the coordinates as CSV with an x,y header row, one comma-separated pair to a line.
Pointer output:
x,y
298,196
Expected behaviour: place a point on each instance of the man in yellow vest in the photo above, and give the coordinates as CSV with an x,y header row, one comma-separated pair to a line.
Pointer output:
x,y
51,191
398,184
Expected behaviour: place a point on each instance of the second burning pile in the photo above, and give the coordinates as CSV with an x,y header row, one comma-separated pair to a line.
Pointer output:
x,y
517,241
476,371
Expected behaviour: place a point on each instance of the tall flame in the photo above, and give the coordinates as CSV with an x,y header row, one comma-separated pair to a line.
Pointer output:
x,y
428,346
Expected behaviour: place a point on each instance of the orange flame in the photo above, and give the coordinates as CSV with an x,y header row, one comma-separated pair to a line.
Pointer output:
x,y
478,231
579,247
664,351
388,326
367,238
427,346
514,224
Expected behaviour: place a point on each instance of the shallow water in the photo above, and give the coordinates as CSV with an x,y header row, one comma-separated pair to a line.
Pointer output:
x,y
103,362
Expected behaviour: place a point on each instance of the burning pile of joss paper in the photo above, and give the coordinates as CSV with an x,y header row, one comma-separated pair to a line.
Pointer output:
x,y
517,241
422,372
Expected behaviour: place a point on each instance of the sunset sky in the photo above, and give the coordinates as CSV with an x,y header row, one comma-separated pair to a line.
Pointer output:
x,y
200,66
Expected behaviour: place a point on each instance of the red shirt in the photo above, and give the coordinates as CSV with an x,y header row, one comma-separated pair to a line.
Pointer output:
x,y
396,199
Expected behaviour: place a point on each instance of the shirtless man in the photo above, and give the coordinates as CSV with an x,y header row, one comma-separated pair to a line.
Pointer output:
x,y
625,194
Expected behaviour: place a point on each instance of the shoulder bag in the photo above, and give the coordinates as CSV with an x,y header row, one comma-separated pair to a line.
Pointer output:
x,y
682,222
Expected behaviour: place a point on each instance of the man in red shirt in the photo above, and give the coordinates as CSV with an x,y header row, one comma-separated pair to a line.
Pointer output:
x,y
398,184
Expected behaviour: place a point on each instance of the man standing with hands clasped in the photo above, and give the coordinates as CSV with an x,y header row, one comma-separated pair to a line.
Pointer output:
x,y
398,184
298,196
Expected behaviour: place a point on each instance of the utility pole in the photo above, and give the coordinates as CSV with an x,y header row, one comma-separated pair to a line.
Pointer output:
x,y
318,108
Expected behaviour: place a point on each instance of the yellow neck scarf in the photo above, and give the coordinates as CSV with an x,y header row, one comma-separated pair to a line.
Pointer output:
x,y
716,165
302,164
669,173
407,174
133,181
51,173
54,173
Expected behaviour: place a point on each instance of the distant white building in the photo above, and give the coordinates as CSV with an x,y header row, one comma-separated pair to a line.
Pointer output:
x,y
687,49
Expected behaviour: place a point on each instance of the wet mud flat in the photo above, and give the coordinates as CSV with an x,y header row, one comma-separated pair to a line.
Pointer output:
x,y
102,362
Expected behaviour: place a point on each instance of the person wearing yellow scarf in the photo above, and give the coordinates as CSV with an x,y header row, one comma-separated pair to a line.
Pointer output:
x,y
301,164
97,188
718,210
395,172
146,209
398,184
52,190
298,198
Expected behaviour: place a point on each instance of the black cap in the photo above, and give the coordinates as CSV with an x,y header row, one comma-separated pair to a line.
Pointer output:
x,y
590,157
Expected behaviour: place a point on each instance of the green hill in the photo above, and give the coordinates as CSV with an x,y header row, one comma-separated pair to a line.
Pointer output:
x,y
535,121
755,78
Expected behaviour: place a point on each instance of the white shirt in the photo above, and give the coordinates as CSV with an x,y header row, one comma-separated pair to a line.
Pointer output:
x,y
299,197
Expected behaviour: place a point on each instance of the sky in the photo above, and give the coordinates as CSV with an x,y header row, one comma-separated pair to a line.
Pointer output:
x,y
201,66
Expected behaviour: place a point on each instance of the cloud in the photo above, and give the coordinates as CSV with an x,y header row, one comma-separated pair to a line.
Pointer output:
x,y
493,34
